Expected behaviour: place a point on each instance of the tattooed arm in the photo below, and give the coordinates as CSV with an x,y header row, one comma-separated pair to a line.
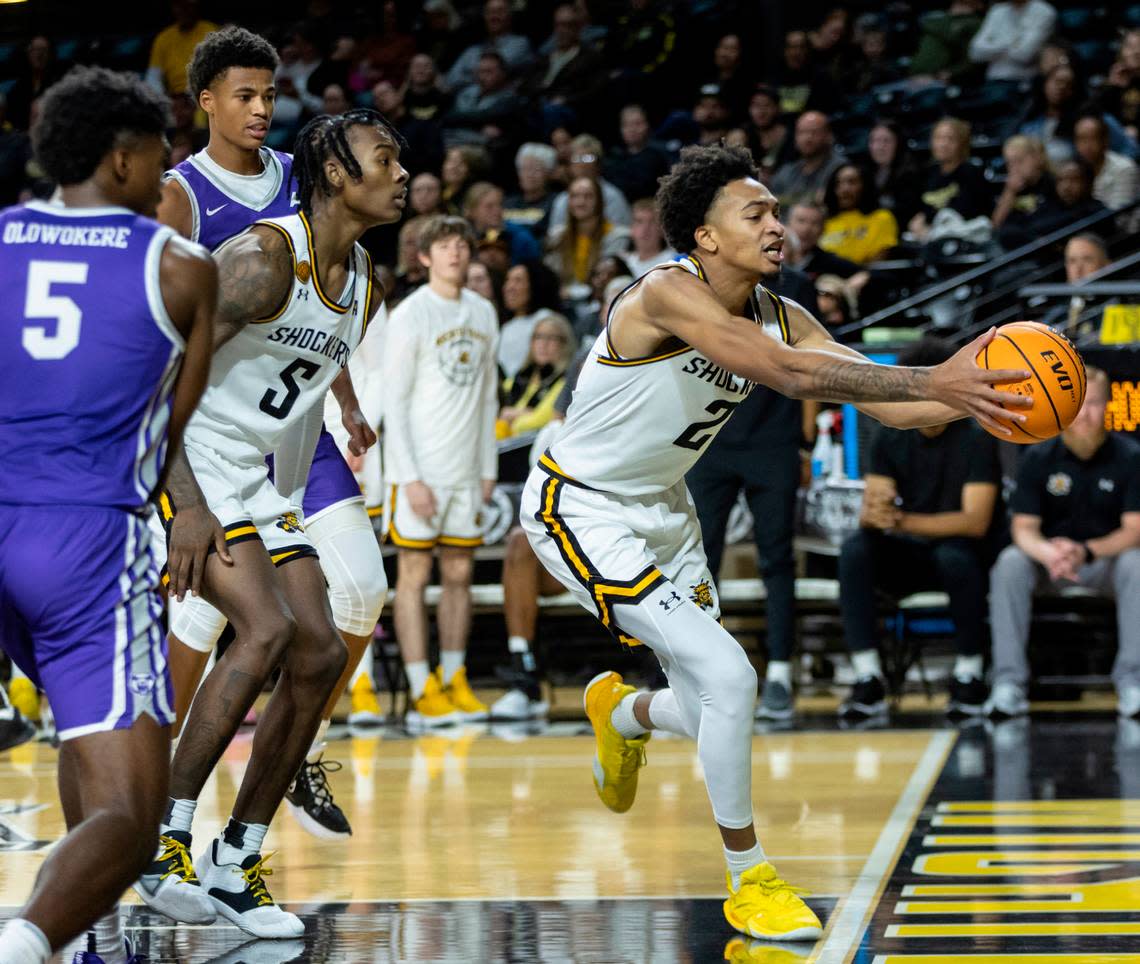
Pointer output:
x,y
676,303
255,280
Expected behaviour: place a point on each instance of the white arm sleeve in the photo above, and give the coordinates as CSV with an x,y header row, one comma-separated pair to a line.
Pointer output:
x,y
294,456
398,381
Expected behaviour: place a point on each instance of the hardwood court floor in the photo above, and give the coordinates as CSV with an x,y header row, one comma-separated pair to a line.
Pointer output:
x,y
1012,843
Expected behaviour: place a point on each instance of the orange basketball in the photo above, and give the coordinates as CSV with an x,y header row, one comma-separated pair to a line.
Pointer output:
x,y
1057,385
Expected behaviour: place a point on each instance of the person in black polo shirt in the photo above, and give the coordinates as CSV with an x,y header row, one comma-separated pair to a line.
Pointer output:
x,y
928,523
1076,519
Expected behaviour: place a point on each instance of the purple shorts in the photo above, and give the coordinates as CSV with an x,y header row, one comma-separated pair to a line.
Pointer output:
x,y
330,479
79,614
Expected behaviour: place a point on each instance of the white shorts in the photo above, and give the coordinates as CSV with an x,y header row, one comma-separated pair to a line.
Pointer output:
x,y
458,519
615,551
245,502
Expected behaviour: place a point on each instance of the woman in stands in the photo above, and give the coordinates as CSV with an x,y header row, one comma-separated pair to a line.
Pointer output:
x,y
894,177
530,294
1028,184
1050,115
588,236
462,167
952,181
855,229
528,398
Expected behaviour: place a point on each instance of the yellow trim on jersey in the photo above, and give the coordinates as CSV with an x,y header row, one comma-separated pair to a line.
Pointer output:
x,y
374,511
781,314
644,584
290,553
546,460
556,528
393,535
292,274
696,263
367,298
622,363
316,270
459,542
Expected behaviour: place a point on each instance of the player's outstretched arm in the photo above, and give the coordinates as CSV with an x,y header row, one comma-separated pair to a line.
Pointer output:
x,y
680,304
255,280
805,331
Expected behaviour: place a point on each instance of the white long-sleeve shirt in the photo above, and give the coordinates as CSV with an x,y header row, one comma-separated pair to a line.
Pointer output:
x,y
1010,38
440,390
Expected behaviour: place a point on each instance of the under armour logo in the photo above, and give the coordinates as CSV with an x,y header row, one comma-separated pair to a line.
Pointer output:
x,y
210,212
668,603
302,294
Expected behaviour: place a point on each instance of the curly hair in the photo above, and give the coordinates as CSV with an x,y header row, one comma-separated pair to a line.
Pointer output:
x,y
229,47
326,136
85,113
688,191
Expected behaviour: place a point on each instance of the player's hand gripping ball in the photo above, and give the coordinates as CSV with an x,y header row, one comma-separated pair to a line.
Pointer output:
x,y
1056,385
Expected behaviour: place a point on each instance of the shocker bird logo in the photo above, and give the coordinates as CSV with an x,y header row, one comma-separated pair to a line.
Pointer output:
x,y
702,595
290,523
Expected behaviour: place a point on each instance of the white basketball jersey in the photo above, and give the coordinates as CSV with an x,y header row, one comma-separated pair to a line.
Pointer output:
x,y
271,373
637,425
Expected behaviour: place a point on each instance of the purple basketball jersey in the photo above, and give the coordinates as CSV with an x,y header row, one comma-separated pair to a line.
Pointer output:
x,y
218,215
88,356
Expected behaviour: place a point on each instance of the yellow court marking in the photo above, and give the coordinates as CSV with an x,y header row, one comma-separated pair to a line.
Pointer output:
x,y
1021,863
1029,839
1099,897
1036,929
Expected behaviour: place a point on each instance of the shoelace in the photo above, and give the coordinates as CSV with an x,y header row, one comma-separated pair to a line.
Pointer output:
x,y
253,877
631,760
182,865
780,890
317,775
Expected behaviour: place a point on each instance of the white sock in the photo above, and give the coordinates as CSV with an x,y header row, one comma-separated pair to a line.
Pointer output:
x,y
239,840
518,644
779,671
318,746
866,663
179,815
21,942
623,719
109,935
968,667
451,662
417,672
664,713
741,860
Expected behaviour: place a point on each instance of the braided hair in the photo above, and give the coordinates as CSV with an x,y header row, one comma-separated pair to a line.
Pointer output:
x,y
327,135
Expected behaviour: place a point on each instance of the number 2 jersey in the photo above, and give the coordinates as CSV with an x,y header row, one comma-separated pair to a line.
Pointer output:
x,y
636,426
274,371
88,356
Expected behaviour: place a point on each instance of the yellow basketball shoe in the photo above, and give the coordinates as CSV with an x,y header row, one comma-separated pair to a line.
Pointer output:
x,y
748,950
767,907
617,759
23,695
462,697
433,708
365,707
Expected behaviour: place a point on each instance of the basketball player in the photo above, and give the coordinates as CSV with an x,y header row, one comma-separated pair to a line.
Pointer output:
x,y
608,513
295,296
441,397
100,304
209,198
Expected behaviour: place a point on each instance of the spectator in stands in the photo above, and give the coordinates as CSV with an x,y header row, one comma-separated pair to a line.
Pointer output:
x,y
483,281
1028,184
483,207
423,134
1116,180
484,110
528,396
805,179
425,195
493,248
15,152
801,85
439,37
566,80
634,165
930,511
1072,202
1011,36
563,143
1050,115
530,206
649,245
1120,94
873,67
462,167
530,294
171,50
513,49
1085,255
894,176
830,44
836,300
388,53
758,453
766,132
638,52
711,114
587,236
943,52
586,161
410,273
805,222
1076,520
38,73
424,97
952,181
729,72
856,229
334,100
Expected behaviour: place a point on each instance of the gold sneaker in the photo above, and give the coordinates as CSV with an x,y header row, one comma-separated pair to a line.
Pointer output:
x,y
748,950
365,707
470,707
617,759
433,708
24,696
767,907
